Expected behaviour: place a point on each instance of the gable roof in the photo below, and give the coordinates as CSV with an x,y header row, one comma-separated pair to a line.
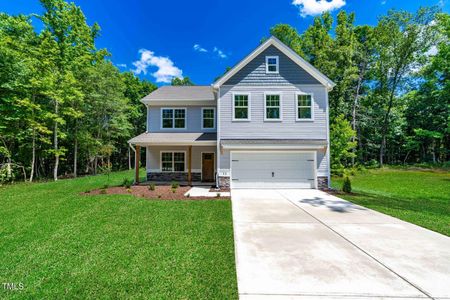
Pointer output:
x,y
180,93
288,52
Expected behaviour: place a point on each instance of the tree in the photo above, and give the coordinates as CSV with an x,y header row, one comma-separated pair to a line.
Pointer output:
x,y
342,143
402,39
181,81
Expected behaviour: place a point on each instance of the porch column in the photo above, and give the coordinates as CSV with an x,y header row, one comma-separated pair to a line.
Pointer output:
x,y
136,164
190,165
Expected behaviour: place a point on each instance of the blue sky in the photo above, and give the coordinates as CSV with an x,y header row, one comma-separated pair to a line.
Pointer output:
x,y
157,39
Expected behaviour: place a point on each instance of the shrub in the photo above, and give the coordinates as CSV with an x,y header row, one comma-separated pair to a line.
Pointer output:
x,y
159,196
152,187
102,191
105,186
174,190
128,190
175,184
127,183
347,185
188,195
372,164
218,195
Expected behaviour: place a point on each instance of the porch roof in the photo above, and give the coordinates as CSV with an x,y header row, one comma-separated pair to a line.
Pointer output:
x,y
175,138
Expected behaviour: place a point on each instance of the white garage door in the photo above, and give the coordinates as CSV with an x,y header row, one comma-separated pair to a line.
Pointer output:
x,y
272,170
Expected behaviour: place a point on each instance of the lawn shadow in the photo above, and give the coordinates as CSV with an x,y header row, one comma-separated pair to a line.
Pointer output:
x,y
341,206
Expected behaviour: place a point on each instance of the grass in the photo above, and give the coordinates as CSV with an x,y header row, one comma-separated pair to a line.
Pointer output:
x,y
421,197
60,244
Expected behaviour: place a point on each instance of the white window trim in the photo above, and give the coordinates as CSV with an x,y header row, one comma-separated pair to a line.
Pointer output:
x,y
296,108
214,118
278,64
173,118
265,107
249,107
173,161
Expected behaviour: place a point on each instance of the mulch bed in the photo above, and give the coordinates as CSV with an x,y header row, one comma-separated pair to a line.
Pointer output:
x,y
161,192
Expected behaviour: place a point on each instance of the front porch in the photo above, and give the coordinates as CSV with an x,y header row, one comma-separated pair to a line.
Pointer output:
x,y
187,158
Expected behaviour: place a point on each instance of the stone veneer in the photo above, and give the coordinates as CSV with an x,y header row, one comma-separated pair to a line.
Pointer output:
x,y
322,182
224,182
172,176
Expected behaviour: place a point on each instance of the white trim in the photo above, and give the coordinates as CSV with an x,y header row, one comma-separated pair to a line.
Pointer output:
x,y
201,164
173,118
274,147
296,107
190,143
324,80
214,118
275,151
218,138
173,161
249,106
280,107
158,103
327,153
277,64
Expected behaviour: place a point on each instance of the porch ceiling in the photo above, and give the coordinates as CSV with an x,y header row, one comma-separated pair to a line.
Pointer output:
x,y
175,138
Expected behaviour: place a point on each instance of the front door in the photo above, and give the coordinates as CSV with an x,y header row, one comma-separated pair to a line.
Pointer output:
x,y
208,167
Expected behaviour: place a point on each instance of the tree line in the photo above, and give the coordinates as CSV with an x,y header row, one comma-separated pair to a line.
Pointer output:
x,y
391,100
65,109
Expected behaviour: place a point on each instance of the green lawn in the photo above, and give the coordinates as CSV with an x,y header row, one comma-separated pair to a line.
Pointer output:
x,y
420,197
60,244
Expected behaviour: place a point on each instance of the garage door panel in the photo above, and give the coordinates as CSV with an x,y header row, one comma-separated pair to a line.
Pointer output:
x,y
272,169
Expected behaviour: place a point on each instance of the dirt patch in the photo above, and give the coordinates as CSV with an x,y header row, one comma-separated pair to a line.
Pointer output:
x,y
161,192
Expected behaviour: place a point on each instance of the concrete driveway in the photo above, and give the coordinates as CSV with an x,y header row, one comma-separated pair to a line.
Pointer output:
x,y
307,244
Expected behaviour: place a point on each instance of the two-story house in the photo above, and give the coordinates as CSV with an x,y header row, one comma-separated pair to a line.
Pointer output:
x,y
263,124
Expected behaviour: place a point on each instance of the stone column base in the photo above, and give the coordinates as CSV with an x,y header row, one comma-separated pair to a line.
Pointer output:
x,y
322,182
224,182
172,176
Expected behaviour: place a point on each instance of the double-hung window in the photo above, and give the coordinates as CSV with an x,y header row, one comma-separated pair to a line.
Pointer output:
x,y
208,115
272,64
241,107
272,106
173,118
172,161
304,107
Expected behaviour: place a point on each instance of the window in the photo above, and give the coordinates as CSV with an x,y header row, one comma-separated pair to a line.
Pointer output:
x,y
241,107
173,118
304,107
172,161
208,118
272,107
271,64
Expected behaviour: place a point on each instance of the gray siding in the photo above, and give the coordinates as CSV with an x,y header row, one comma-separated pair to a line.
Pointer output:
x,y
254,73
193,115
288,128
153,156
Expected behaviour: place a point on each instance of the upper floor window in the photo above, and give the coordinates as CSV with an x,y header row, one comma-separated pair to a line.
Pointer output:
x,y
241,104
208,115
272,64
173,118
272,106
304,107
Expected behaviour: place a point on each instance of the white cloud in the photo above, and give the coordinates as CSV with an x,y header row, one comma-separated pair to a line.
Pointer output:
x,y
316,7
166,69
383,2
199,48
219,52
122,65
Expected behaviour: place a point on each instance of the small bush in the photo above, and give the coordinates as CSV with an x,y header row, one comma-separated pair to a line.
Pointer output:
x,y
218,195
159,196
174,190
102,191
188,195
372,164
127,183
128,190
175,184
152,187
347,185
106,186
